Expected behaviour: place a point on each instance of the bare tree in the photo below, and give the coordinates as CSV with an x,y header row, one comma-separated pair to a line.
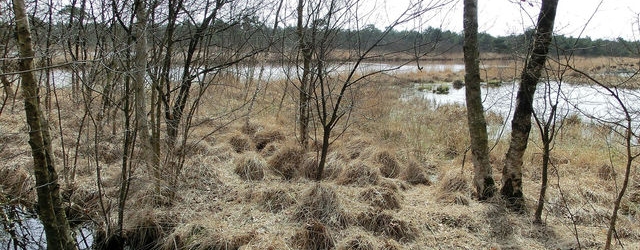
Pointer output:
x,y
483,177
331,86
50,211
521,122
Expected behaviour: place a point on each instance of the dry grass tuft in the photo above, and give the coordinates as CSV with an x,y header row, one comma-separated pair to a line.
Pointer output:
x,y
147,229
454,189
606,172
382,198
360,242
240,143
286,161
385,224
309,166
355,147
314,236
415,174
250,128
390,167
321,202
390,244
334,166
358,173
250,167
221,152
276,199
16,183
199,237
263,138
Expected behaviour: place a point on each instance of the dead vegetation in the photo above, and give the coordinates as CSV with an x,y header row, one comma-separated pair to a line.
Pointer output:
x,y
393,184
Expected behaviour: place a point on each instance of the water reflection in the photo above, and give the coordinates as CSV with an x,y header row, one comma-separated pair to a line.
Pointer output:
x,y
591,103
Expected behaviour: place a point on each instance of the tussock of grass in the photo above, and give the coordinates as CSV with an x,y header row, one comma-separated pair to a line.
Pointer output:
x,y
415,174
250,167
385,224
263,138
606,172
276,199
359,242
203,238
355,147
454,189
391,244
146,229
314,236
309,166
358,173
333,167
321,202
221,152
286,161
240,143
16,184
390,168
381,198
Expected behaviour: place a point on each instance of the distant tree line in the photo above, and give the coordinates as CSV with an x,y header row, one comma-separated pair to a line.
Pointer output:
x,y
435,40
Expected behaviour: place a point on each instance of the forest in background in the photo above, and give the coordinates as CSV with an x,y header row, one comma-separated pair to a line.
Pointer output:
x,y
168,131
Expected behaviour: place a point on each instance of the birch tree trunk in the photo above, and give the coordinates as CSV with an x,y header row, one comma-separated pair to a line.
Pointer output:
x,y
521,123
482,171
50,210
151,159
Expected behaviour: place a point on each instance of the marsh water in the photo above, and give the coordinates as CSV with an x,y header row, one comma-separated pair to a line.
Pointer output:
x,y
589,102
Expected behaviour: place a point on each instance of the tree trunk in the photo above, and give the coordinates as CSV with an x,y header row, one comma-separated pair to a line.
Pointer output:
x,y
139,73
305,89
50,210
521,123
483,177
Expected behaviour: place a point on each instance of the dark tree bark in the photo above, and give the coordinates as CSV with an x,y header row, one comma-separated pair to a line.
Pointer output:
x,y
483,177
521,123
50,210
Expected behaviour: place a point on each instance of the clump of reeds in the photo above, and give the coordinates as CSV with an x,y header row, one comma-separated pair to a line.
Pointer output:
x,y
416,174
263,138
240,142
320,202
381,198
358,173
385,224
454,189
276,199
147,229
200,237
314,236
250,167
389,166
606,172
286,161
309,166
16,183
355,147
359,242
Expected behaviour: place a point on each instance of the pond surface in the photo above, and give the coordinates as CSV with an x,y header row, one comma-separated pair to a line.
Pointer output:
x,y
590,103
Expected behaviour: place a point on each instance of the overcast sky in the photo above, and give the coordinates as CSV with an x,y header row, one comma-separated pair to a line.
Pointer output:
x,y
613,18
